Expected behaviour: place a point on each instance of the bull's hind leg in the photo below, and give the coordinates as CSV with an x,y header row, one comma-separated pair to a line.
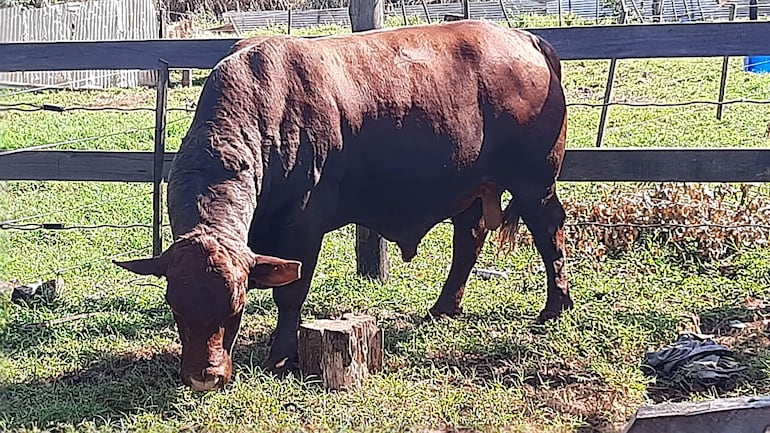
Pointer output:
x,y
467,240
545,219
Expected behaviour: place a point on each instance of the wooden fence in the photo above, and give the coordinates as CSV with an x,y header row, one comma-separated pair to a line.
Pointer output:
x,y
93,20
592,42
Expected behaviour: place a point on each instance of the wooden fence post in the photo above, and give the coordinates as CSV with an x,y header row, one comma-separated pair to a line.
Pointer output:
x,y
158,155
371,248
366,15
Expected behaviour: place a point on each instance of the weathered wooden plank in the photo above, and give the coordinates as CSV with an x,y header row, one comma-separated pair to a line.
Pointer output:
x,y
589,42
581,165
100,166
659,40
667,165
144,54
730,415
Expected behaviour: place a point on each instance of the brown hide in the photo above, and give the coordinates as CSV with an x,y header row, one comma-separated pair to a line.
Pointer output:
x,y
395,130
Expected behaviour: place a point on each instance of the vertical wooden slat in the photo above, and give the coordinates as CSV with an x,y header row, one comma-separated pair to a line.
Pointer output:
x,y
160,148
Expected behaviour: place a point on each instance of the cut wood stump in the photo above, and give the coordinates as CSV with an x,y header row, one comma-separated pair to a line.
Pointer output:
x,y
342,353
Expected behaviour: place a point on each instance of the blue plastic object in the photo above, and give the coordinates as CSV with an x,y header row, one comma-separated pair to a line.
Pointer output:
x,y
757,64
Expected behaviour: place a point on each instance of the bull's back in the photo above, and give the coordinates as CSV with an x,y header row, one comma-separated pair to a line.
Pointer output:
x,y
443,72
390,115
427,112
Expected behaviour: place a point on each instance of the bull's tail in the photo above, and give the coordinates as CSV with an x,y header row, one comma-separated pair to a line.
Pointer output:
x,y
509,229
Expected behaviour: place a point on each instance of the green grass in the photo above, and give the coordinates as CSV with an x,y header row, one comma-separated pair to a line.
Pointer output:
x,y
486,370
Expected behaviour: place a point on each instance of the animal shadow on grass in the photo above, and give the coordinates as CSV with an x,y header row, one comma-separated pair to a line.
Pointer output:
x,y
109,389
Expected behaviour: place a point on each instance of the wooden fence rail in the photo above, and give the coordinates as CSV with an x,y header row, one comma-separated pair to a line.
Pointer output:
x,y
572,43
580,165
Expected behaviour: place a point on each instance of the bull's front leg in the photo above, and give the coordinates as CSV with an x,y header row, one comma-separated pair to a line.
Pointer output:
x,y
289,299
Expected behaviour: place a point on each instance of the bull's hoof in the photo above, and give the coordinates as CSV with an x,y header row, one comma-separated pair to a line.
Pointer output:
x,y
547,315
443,313
280,368
553,313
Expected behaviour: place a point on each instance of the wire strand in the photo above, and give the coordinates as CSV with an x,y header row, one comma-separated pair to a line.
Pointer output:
x,y
73,209
81,140
58,86
28,108
62,226
668,104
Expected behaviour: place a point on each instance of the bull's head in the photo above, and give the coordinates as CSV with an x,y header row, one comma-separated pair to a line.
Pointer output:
x,y
207,283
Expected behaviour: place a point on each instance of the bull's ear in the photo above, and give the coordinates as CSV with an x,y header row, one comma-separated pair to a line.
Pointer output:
x,y
267,272
152,266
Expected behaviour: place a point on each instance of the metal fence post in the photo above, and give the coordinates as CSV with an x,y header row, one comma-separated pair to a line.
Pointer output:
x,y
605,105
723,79
607,96
288,24
158,155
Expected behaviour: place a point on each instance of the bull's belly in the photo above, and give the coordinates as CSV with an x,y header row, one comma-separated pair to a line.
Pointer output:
x,y
403,208
402,181
405,204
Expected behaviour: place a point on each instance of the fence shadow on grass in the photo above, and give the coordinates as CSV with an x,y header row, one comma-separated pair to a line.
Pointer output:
x,y
110,389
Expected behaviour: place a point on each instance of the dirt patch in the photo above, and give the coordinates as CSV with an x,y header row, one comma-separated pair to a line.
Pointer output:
x,y
560,388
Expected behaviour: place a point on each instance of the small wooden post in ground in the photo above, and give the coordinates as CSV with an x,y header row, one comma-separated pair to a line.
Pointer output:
x,y
371,248
342,353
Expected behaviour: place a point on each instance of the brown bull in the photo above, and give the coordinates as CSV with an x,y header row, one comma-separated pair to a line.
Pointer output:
x,y
394,130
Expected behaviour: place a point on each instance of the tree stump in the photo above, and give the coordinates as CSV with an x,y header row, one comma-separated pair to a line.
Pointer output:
x,y
342,353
